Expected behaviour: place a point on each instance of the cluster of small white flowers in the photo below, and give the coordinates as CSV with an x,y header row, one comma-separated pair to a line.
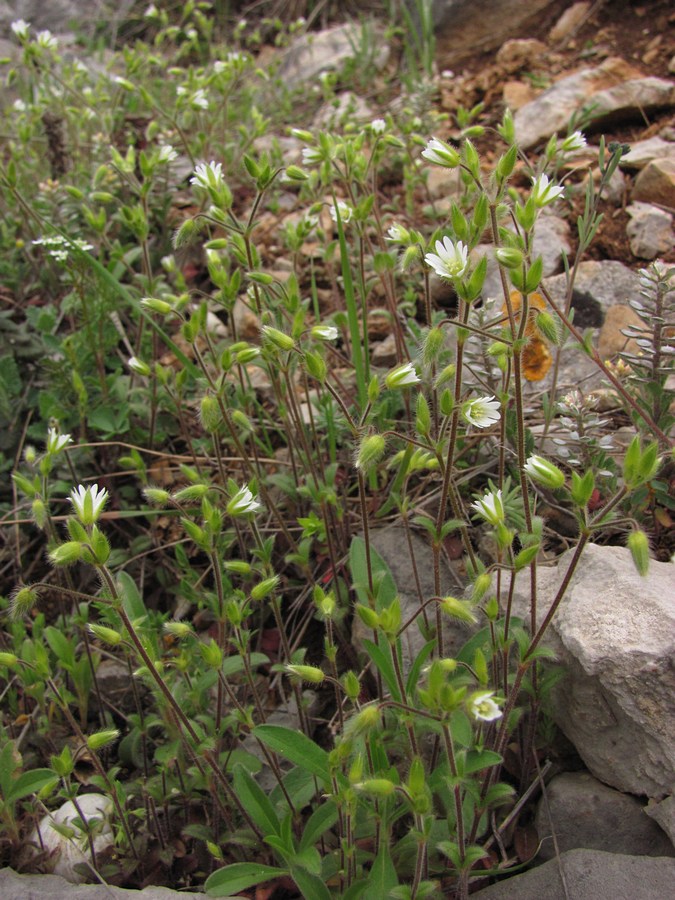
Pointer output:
x,y
378,126
57,247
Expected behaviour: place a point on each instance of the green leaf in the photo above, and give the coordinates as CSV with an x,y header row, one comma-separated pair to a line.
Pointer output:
x,y
323,818
234,664
383,875
414,675
131,598
239,876
385,666
382,578
311,886
257,804
61,646
30,783
296,747
476,760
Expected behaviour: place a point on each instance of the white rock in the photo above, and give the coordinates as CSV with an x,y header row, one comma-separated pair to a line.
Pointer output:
x,y
311,54
643,152
650,230
614,632
66,853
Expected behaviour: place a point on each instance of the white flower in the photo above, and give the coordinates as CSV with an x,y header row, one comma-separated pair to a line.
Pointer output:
x,y
344,209
151,12
167,153
219,66
20,28
398,233
441,154
483,707
19,106
242,503
88,502
481,412
544,472
325,332
199,100
378,126
138,366
490,507
573,142
311,156
402,376
56,442
544,193
450,260
46,40
208,175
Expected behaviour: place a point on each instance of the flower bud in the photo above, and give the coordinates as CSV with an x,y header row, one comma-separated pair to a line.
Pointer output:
x,y
8,659
66,554
370,452
378,787
509,257
158,306
264,588
277,338
22,602
458,609
157,496
638,544
39,511
102,738
209,413
105,634
178,629
311,674
544,472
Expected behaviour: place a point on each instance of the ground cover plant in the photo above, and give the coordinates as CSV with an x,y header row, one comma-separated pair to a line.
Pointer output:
x,y
201,449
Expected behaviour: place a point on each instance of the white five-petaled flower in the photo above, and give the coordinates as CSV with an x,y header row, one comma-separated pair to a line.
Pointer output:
x,y
56,442
450,260
325,332
490,507
344,209
208,175
402,376
20,28
138,366
199,100
167,153
151,12
378,126
483,707
46,40
481,412
441,154
88,502
544,192
398,233
242,503
573,142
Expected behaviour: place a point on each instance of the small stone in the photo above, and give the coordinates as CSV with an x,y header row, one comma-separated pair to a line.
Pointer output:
x,y
443,183
568,21
246,323
650,230
611,339
516,55
671,65
328,50
664,814
588,814
517,94
643,152
656,183
384,353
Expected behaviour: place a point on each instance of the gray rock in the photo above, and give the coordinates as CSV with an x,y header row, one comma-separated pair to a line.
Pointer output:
x,y
589,875
598,285
569,21
465,26
311,54
615,89
60,16
664,814
656,183
650,230
392,546
588,815
551,238
384,352
643,152
614,632
51,887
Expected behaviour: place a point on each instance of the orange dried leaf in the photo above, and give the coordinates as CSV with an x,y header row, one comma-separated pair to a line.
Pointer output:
x,y
536,360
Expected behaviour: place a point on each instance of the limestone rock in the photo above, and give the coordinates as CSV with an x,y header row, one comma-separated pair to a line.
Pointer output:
x,y
516,55
64,853
611,339
656,183
568,21
598,285
615,89
586,814
328,50
246,323
614,633
517,94
51,887
589,875
384,352
60,16
643,152
650,230
664,814
461,24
